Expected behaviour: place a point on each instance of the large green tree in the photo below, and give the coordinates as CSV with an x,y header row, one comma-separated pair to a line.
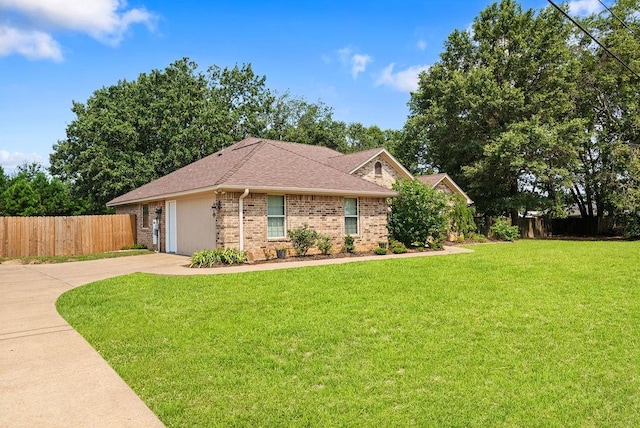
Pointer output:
x,y
30,192
130,133
493,111
21,200
608,100
296,120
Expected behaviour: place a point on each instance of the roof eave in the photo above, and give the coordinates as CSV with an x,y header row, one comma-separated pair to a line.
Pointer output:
x,y
383,193
163,196
261,189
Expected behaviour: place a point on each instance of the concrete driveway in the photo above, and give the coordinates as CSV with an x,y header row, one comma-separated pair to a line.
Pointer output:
x,y
49,375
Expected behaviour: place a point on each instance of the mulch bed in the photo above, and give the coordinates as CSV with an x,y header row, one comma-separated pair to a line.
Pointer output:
x,y
311,257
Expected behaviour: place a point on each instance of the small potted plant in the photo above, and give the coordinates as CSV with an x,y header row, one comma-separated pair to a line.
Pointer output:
x,y
281,252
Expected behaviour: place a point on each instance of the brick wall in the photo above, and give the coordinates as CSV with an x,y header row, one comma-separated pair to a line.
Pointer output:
x,y
325,214
144,234
227,230
373,222
386,179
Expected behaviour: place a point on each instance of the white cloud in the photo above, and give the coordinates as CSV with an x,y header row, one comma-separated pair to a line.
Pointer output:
x,y
357,61
11,160
344,54
359,64
403,81
584,7
104,20
422,45
31,44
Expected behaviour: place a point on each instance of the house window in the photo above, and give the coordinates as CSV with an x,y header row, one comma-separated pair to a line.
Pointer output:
x,y
275,216
350,216
145,216
378,168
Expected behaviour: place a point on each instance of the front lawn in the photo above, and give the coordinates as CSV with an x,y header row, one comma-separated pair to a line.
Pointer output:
x,y
536,333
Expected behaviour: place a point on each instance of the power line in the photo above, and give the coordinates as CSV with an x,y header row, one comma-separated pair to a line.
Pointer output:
x,y
617,58
616,16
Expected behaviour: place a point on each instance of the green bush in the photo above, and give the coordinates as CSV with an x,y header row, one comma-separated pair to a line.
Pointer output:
x,y
380,251
477,237
436,245
417,213
211,258
302,238
419,245
460,216
631,227
398,247
503,231
135,247
629,223
324,244
349,246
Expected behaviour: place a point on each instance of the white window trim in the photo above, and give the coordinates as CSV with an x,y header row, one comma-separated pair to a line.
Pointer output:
x,y
284,217
357,217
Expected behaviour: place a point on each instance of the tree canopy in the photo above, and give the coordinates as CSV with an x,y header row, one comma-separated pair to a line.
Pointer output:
x,y
492,111
133,132
30,192
525,112
607,100
130,133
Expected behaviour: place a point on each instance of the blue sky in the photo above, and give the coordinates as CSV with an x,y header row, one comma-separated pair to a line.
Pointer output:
x,y
359,57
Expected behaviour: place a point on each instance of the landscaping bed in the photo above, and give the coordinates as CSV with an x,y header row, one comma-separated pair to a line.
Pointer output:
x,y
311,257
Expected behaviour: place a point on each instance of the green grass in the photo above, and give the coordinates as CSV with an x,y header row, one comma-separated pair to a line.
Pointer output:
x,y
536,333
77,258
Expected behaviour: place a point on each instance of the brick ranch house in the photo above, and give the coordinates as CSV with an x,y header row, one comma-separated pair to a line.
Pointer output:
x,y
248,195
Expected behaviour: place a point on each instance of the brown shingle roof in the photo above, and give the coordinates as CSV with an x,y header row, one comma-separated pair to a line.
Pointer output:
x,y
259,164
348,163
431,179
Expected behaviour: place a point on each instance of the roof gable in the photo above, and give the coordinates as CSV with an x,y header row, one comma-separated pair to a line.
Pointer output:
x,y
434,180
354,161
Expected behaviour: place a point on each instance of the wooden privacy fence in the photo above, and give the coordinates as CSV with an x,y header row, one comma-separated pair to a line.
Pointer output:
x,y
540,227
544,228
65,236
534,227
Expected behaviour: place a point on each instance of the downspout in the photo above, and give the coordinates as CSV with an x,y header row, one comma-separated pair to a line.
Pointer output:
x,y
241,217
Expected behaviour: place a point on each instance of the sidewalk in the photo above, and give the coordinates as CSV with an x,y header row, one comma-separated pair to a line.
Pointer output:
x,y
49,375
